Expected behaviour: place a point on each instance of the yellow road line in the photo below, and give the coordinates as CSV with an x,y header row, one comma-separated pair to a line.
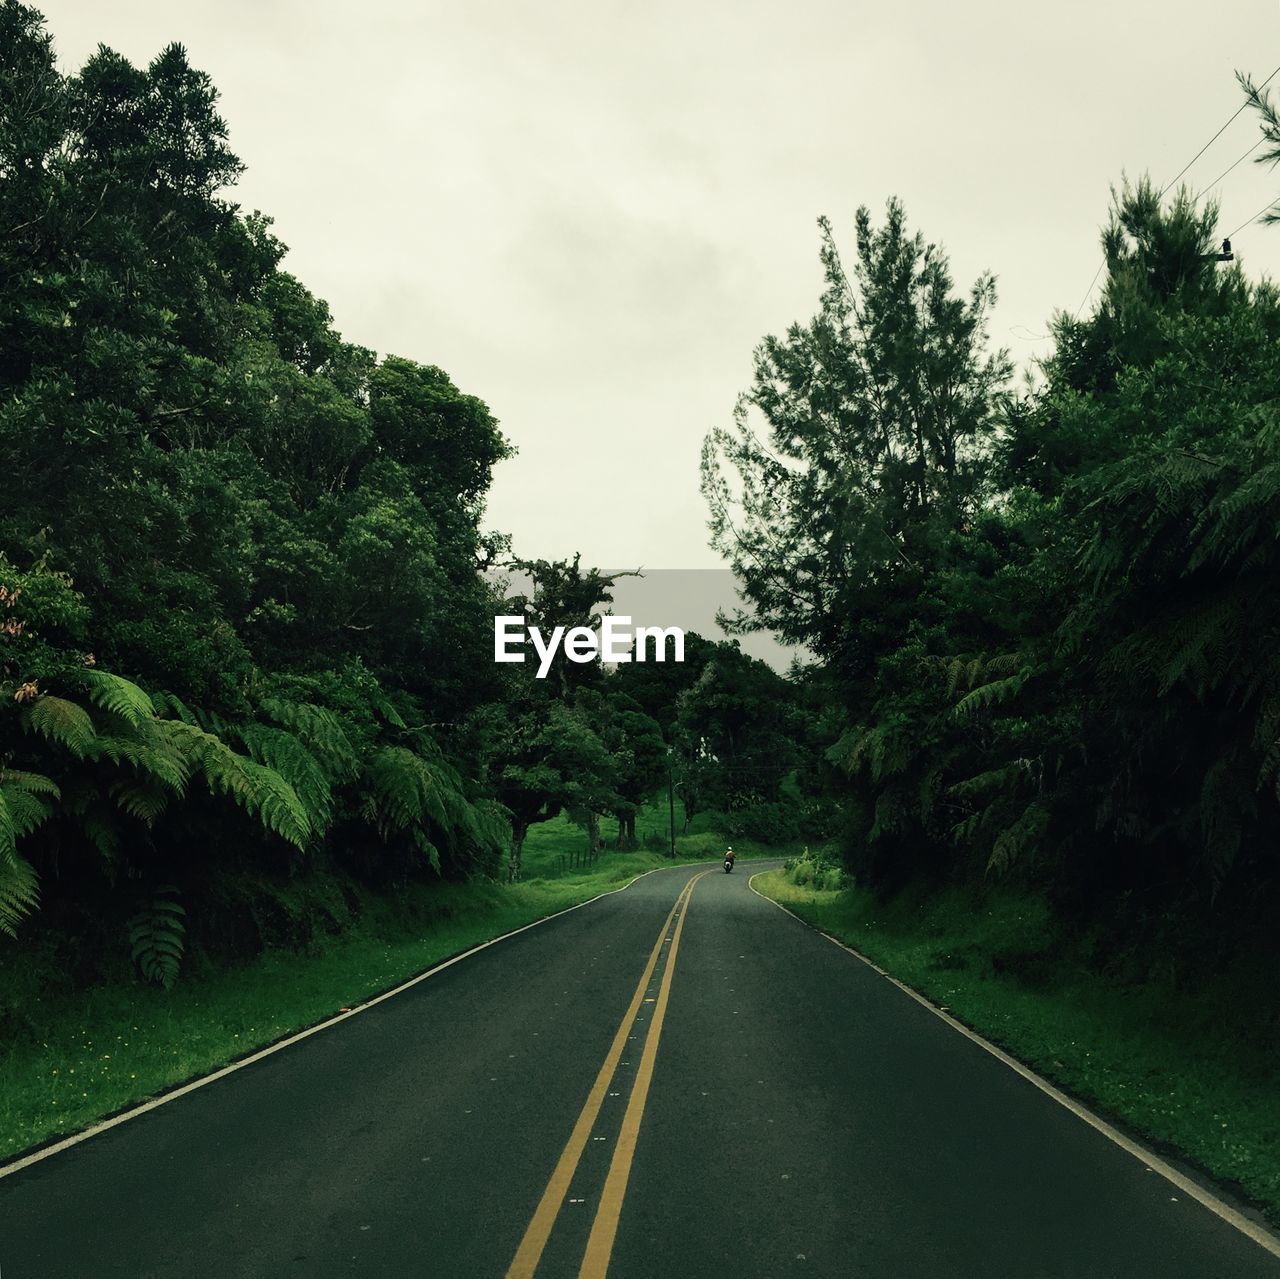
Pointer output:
x,y
595,1261
539,1230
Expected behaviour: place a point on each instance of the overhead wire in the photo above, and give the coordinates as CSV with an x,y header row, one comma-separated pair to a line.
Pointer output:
x,y
1223,174
1217,135
1269,204
1234,115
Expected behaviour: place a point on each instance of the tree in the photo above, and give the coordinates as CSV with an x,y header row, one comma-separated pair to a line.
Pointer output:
x,y
875,416
271,533
540,747
635,744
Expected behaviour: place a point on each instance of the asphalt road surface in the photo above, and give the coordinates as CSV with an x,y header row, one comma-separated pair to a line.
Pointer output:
x,y
674,1082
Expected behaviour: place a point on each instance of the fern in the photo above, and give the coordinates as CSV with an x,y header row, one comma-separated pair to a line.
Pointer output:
x,y
879,749
156,933
1005,778
991,694
21,811
419,795
382,704
284,753
35,783
1015,841
152,753
320,731
118,696
1226,804
141,800
19,891
167,705
406,790
25,811
62,722
426,847
257,789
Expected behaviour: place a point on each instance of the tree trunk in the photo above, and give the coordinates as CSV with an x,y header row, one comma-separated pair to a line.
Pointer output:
x,y
627,831
519,830
593,834
690,810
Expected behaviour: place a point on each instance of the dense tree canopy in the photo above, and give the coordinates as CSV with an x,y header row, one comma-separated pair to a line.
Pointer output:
x,y
1049,619
213,498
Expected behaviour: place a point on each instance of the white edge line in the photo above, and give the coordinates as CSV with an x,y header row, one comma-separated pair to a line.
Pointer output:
x,y
75,1139
1259,1234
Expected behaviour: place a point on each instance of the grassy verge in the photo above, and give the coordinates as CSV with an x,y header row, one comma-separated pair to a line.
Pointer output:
x,y
1189,1068
86,1055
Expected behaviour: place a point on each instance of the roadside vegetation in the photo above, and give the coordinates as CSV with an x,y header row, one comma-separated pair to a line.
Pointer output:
x,y
1185,1061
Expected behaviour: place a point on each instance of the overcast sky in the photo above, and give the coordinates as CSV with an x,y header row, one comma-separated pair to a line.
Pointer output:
x,y
589,213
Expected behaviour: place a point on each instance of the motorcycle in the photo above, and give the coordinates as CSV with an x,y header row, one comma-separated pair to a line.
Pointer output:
x,y
728,864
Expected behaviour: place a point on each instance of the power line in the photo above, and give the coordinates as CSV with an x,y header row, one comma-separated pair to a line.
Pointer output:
x,y
1075,314
1228,169
1255,217
1217,135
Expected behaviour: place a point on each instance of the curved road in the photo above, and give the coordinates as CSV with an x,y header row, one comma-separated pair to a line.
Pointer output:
x,y
676,1081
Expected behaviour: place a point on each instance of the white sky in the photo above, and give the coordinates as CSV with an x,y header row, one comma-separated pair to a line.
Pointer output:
x,y
589,213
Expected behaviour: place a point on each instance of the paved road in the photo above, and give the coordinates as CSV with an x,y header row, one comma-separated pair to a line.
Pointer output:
x,y
798,1115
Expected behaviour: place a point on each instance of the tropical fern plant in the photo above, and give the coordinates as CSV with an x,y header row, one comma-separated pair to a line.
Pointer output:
x,y
118,761
26,800
420,797
156,936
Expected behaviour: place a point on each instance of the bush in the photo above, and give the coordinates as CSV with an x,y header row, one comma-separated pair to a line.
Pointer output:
x,y
817,869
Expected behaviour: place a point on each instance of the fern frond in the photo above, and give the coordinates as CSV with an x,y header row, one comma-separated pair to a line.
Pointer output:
x,y
60,721
35,783
283,752
1005,664
98,824
156,934
406,789
320,731
1226,803
991,694
425,846
259,790
1005,778
153,754
20,813
382,704
142,800
118,695
167,705
276,804
19,892
964,832
1015,841
23,811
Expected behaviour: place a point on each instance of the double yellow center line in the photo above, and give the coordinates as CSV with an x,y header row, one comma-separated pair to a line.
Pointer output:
x,y
595,1261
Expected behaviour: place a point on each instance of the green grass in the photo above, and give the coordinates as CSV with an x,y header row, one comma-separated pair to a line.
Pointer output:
x,y
1192,1068
550,845
83,1056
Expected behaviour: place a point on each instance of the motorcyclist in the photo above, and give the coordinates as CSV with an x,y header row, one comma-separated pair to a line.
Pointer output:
x,y
729,855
